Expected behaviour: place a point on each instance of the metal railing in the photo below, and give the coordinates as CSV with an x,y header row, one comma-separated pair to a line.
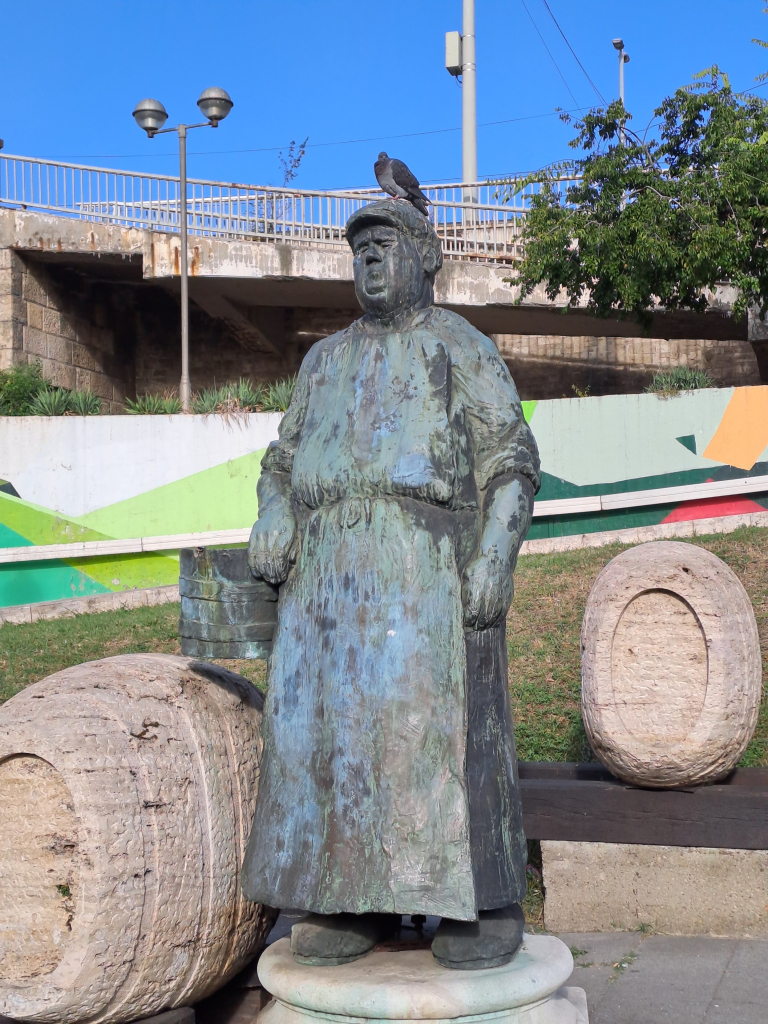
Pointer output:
x,y
471,221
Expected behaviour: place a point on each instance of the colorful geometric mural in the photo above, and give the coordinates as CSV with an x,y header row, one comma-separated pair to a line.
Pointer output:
x,y
620,443
169,475
71,479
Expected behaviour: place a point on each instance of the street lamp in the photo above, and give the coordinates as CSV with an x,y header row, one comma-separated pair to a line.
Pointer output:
x,y
623,59
151,115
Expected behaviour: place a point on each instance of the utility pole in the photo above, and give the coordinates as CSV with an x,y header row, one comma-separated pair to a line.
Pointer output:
x,y
468,97
460,62
623,59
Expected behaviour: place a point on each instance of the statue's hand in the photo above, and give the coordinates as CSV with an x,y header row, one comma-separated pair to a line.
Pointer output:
x,y
272,547
487,588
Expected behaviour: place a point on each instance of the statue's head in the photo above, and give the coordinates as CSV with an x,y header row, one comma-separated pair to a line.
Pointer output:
x,y
396,256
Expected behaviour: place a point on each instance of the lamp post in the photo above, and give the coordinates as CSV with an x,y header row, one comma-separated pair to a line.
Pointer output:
x,y
151,115
623,59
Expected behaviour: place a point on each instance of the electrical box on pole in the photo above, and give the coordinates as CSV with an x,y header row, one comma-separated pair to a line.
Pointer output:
x,y
453,53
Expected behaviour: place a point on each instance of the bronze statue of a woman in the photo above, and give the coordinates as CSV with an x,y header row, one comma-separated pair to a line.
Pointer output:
x,y
391,509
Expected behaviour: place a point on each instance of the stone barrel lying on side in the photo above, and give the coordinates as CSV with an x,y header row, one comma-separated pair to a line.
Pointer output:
x,y
127,792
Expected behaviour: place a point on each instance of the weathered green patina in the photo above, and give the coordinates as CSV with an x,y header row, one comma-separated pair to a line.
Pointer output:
x,y
391,509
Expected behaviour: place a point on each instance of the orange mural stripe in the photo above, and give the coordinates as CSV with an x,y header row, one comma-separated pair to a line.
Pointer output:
x,y
742,436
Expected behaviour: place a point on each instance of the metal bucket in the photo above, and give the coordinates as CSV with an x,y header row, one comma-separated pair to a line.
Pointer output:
x,y
225,611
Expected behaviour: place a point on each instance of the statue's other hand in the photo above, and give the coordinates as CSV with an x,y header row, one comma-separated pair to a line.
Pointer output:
x,y
271,549
487,588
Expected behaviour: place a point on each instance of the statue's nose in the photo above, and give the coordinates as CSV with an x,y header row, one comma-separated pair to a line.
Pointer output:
x,y
373,254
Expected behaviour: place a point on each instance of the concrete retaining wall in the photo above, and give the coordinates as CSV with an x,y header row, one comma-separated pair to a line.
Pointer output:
x,y
603,887
88,479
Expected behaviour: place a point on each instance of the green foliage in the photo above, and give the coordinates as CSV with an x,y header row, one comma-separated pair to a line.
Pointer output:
x,y
679,378
60,402
25,392
84,403
154,405
51,402
277,396
659,222
230,398
19,387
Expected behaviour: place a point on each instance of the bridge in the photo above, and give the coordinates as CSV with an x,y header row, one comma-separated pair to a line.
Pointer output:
x,y
270,269
470,219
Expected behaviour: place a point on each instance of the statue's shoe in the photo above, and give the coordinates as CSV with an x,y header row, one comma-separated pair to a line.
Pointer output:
x,y
327,940
491,941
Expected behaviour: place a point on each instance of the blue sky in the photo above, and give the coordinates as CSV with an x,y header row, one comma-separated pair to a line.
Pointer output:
x,y
341,70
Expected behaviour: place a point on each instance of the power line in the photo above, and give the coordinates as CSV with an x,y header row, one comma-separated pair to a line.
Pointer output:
x,y
541,37
602,98
312,145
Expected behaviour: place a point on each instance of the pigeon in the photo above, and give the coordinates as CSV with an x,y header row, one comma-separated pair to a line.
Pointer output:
x,y
397,180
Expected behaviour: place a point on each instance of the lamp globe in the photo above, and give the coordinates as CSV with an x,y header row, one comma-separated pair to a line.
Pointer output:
x,y
150,115
215,104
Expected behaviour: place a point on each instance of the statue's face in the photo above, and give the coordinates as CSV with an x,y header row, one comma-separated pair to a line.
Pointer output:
x,y
389,275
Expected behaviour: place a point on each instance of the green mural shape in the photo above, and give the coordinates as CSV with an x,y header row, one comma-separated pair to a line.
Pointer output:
x,y
529,409
23,524
131,572
38,525
30,582
220,498
688,441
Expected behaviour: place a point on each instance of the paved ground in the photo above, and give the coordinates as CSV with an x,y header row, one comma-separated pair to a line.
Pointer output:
x,y
629,978
632,978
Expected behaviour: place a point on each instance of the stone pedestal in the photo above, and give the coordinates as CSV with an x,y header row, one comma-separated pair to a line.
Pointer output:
x,y
409,985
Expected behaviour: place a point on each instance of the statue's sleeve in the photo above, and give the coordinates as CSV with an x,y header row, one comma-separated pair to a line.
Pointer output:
x,y
500,440
278,457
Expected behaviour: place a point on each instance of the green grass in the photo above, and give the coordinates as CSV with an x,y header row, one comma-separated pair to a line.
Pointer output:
x,y
542,637
31,651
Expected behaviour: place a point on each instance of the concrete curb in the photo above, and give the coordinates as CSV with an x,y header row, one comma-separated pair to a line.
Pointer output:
x,y
641,534
71,606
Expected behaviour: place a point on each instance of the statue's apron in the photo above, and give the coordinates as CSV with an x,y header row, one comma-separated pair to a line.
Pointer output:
x,y
389,778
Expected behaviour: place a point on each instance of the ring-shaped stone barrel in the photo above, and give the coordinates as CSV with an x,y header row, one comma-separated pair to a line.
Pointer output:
x,y
671,674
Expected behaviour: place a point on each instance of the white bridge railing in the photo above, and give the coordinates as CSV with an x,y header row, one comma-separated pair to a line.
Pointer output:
x,y
471,221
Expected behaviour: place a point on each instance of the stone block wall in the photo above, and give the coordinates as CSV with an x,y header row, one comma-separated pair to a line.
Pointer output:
x,y
118,338
215,356
549,366
72,327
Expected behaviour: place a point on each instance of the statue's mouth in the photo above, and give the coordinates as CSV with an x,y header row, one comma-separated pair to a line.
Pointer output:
x,y
375,282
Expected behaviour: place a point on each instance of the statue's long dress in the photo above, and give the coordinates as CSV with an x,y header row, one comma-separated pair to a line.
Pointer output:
x,y
389,778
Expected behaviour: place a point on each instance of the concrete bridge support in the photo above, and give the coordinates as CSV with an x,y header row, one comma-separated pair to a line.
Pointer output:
x,y
98,305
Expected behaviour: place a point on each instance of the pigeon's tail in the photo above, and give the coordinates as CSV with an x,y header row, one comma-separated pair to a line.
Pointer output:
x,y
417,198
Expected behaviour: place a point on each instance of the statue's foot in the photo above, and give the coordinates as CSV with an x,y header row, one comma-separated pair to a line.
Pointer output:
x,y
490,941
327,940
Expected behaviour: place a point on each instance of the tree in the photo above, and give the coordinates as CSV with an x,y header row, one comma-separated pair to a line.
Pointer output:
x,y
291,161
652,223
